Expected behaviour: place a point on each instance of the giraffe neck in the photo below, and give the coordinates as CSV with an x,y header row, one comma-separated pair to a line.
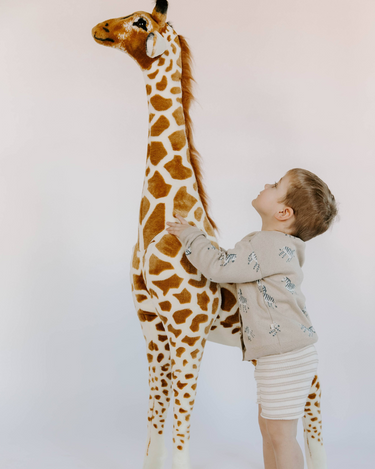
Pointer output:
x,y
170,183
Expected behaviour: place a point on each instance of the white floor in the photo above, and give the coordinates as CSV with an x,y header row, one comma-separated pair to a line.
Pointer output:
x,y
121,451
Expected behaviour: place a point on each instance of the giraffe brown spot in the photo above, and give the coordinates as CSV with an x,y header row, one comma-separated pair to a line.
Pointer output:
x,y
188,266
312,396
165,305
157,186
160,125
181,385
162,338
187,395
183,202
166,53
173,48
178,140
185,362
167,347
161,61
150,117
203,343
153,75
175,90
182,411
207,329
314,380
194,387
166,366
153,346
179,62
208,228
228,300
138,282
174,331
199,319
198,214
179,100
136,260
203,300
198,283
169,245
190,340
181,315
162,84
147,171
235,330
180,351
213,287
171,282
160,357
179,447
231,320
163,318
254,362
157,152
157,265
183,297
159,327
189,376
141,298
145,205
164,384
154,225
170,66
215,305
313,419
187,418
177,401
194,353
178,114
149,357
177,170
317,404
148,89
159,103
176,76
157,397
146,316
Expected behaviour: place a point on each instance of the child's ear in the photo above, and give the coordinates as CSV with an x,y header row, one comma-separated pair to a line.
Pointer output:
x,y
285,214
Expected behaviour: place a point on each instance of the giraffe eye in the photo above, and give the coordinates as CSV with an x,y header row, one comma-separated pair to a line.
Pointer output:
x,y
141,23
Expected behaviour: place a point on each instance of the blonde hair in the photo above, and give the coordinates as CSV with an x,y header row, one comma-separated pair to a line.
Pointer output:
x,y
313,204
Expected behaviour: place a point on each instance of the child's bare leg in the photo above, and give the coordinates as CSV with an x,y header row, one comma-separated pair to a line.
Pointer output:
x,y
268,452
283,435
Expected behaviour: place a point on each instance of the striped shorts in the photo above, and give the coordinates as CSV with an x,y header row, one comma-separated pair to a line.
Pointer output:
x,y
284,382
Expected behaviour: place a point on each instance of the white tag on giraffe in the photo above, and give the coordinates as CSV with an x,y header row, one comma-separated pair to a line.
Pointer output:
x,y
155,44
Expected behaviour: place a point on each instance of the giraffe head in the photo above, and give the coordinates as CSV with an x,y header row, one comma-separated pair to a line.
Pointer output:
x,y
140,35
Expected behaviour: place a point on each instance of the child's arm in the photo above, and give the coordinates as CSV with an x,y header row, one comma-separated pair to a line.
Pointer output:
x,y
237,265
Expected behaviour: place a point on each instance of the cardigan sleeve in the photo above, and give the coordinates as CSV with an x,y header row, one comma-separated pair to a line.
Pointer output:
x,y
237,265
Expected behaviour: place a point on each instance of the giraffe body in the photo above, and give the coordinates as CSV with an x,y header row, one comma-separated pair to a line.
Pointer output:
x,y
178,308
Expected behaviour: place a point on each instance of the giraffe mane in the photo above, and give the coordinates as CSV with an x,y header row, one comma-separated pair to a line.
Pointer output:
x,y
187,99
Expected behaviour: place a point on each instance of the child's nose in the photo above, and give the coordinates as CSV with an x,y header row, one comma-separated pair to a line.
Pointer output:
x,y
266,186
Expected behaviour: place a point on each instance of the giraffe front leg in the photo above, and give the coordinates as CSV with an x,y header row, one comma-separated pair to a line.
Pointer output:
x,y
312,429
186,357
160,385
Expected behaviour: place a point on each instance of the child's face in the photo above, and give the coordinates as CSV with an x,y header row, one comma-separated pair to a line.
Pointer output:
x,y
267,203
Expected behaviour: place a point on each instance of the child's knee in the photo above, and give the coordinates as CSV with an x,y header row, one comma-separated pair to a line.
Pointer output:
x,y
281,430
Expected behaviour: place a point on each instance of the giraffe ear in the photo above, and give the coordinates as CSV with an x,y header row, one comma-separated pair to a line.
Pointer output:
x,y
155,44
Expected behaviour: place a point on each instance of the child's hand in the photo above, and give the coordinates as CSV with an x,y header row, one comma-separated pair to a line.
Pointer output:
x,y
177,228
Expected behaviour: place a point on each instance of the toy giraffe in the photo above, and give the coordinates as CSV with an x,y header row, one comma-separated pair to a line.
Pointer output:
x,y
179,309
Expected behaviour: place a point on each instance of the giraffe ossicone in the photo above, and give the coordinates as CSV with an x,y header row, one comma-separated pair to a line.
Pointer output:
x,y
178,308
